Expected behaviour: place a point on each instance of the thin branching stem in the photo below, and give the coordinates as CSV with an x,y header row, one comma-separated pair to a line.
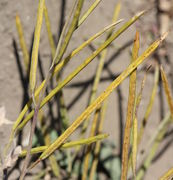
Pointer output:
x,y
82,66
58,142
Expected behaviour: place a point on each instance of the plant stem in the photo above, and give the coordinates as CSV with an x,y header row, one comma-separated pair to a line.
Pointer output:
x,y
27,159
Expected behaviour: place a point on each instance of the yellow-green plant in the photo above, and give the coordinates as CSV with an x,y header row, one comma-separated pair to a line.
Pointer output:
x,y
97,105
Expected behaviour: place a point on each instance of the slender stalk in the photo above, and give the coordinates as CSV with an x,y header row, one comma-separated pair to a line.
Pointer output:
x,y
41,87
24,169
149,106
89,148
58,142
22,42
93,95
49,32
88,12
34,58
154,148
67,145
134,145
167,90
53,161
130,108
100,68
137,103
168,175
32,81
83,65
58,67
63,110
62,36
98,144
33,73
70,32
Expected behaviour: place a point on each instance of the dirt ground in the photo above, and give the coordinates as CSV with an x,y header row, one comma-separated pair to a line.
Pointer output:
x,y
12,93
